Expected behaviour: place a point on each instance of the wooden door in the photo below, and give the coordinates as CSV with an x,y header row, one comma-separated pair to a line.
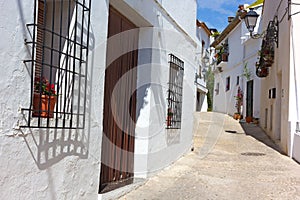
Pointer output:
x,y
119,105
249,99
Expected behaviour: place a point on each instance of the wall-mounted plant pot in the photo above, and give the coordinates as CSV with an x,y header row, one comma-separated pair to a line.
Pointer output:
x,y
169,120
225,57
268,61
262,71
43,105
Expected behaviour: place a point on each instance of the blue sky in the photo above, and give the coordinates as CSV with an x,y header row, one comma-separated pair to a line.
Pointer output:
x,y
215,12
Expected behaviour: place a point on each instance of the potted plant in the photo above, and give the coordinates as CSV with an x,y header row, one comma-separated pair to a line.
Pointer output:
x,y
238,104
249,119
44,98
262,71
222,54
169,116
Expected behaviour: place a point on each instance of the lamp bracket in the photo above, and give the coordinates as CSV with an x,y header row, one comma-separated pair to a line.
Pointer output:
x,y
271,32
257,35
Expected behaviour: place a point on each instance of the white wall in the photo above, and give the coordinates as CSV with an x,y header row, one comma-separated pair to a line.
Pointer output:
x,y
155,146
182,10
225,101
279,78
42,164
24,172
294,96
251,48
202,35
232,69
242,51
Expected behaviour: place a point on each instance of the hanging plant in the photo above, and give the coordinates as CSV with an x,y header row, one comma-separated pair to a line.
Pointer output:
x,y
266,54
262,71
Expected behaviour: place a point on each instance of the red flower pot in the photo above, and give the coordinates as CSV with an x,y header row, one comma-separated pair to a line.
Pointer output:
x,y
169,120
43,105
249,119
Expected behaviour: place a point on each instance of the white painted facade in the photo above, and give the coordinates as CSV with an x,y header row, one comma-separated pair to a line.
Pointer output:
x,y
29,168
280,115
204,54
243,52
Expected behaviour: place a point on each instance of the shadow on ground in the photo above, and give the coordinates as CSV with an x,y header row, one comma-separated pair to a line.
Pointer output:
x,y
258,133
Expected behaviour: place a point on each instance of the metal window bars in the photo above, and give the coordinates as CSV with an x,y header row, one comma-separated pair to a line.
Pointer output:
x,y
174,111
59,44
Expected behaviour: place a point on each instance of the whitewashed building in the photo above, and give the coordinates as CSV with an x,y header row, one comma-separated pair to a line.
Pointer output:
x,y
236,55
204,53
280,89
123,74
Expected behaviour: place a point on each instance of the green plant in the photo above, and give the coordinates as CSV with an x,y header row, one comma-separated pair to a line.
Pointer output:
x,y
170,112
216,34
210,87
246,72
239,100
209,102
43,87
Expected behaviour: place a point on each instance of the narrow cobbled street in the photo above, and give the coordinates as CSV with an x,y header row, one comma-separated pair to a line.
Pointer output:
x,y
231,160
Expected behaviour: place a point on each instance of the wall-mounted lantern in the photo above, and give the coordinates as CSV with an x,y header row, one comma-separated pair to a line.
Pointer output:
x,y
250,20
272,30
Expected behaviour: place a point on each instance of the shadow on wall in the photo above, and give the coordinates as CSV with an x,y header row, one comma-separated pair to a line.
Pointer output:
x,y
49,146
151,89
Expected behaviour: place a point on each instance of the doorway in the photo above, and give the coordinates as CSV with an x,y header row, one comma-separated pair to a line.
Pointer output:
x,y
249,99
119,114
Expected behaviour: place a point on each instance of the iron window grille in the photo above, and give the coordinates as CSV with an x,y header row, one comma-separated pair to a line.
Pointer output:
x,y
175,90
59,54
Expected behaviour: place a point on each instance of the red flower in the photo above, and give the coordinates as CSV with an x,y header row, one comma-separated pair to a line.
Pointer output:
x,y
44,87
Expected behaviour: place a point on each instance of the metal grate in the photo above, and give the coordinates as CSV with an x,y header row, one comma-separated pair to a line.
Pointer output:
x,y
174,111
253,154
59,52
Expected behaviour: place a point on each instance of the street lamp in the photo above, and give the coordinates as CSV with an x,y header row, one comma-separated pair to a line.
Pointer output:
x,y
272,30
250,20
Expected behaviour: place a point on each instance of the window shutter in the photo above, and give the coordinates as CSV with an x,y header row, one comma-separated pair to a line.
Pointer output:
x,y
40,38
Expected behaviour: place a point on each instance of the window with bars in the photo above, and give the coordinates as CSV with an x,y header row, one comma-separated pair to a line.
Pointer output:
x,y
227,83
59,51
175,90
217,88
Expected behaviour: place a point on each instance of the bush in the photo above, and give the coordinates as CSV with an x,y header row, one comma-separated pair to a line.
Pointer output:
x,y
209,102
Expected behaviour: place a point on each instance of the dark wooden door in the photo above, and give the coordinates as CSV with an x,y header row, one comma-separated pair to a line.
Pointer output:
x,y
249,99
117,157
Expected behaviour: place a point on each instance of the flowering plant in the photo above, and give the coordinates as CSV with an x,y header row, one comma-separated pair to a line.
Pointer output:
x,y
44,87
170,112
239,100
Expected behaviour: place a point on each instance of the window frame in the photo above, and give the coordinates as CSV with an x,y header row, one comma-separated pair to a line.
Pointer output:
x,y
175,92
227,83
59,49
217,90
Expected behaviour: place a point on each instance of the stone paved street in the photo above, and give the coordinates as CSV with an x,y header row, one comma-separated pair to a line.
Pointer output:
x,y
227,163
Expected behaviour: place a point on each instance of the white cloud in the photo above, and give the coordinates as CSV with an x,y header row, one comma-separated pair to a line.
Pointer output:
x,y
217,11
217,6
